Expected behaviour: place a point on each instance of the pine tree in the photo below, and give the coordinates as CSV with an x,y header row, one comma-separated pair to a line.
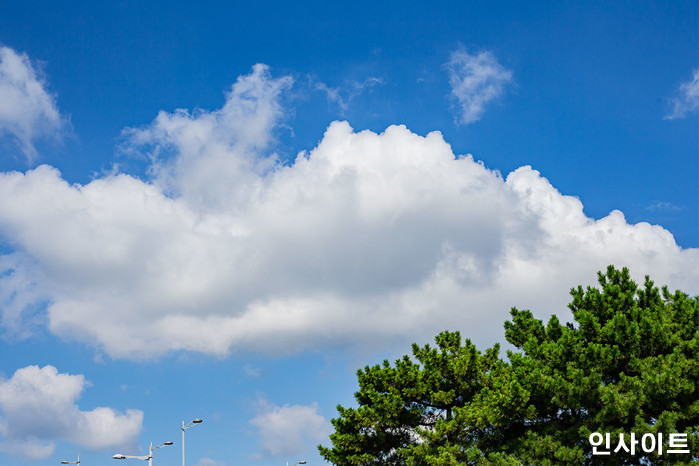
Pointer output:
x,y
627,364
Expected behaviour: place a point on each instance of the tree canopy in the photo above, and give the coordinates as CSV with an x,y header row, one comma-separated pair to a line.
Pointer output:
x,y
626,364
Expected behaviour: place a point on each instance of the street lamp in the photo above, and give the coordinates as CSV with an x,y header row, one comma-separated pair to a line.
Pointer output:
x,y
164,444
119,456
71,462
300,462
185,427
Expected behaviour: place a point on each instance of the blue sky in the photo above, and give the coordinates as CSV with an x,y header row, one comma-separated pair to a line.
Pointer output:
x,y
223,210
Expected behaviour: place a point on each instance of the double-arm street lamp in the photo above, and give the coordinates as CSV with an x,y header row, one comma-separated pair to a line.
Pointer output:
x,y
185,427
119,456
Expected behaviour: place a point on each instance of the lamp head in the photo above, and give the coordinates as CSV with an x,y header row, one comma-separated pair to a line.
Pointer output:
x,y
118,456
167,443
197,421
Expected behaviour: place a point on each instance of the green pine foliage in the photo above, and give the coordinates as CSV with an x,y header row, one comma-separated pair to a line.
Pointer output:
x,y
627,364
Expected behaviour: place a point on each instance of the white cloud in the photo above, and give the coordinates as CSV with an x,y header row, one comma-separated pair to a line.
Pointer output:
x,y
369,239
39,407
663,206
476,80
251,371
31,449
343,96
289,430
687,99
210,462
19,297
27,110
215,158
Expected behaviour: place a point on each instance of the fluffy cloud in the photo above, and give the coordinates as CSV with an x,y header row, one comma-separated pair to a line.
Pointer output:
x,y
289,430
27,110
687,100
213,159
38,407
367,239
476,80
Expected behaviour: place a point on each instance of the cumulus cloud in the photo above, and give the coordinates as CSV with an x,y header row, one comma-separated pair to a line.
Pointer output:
x,y
687,99
368,239
27,109
39,407
213,158
289,430
476,80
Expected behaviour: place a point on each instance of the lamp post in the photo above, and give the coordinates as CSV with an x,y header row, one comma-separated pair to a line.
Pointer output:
x,y
185,427
150,450
120,456
71,462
